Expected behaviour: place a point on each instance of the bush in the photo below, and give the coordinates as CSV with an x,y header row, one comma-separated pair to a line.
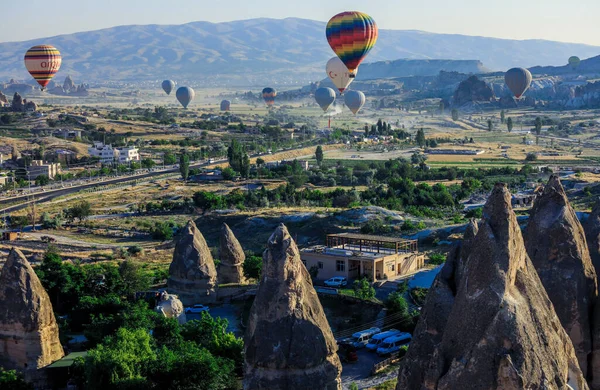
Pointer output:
x,y
419,294
475,213
363,289
437,258
13,380
135,250
252,267
162,231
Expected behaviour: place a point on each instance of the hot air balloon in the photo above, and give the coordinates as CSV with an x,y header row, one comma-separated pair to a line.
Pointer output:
x,y
518,80
185,95
339,74
574,62
225,105
351,35
269,96
354,100
168,86
325,97
43,62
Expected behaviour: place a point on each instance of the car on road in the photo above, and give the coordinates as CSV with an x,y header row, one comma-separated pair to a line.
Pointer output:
x,y
196,309
336,281
393,344
360,339
378,339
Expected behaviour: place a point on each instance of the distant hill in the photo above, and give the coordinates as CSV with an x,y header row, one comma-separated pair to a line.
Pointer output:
x,y
591,65
251,52
407,68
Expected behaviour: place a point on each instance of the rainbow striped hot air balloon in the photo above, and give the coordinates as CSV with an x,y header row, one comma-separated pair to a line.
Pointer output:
x,y
269,96
43,62
351,35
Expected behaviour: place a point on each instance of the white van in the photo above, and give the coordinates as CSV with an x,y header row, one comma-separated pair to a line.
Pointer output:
x,y
393,344
378,339
360,339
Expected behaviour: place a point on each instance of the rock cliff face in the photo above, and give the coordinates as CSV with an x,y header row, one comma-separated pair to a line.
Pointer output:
x,y
192,274
592,235
28,329
232,258
494,326
289,344
556,244
472,90
170,306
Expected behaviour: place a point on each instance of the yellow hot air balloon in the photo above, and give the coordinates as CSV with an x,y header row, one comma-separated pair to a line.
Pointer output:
x,y
43,62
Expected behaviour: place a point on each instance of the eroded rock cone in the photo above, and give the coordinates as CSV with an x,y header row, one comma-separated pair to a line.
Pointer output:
x,y
28,329
289,344
495,327
192,274
231,269
592,235
556,244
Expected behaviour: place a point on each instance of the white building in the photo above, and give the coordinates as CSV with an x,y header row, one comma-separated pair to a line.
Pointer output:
x,y
105,153
128,154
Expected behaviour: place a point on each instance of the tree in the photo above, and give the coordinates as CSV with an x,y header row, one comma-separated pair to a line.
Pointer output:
x,y
509,124
490,125
363,289
260,162
395,303
184,166
19,222
531,157
252,267
538,125
502,116
80,211
228,173
420,137
42,180
245,168
455,114
442,107
133,277
13,380
319,155
162,231
169,158
148,163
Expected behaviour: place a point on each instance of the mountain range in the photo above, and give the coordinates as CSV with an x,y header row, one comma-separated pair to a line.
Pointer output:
x,y
255,51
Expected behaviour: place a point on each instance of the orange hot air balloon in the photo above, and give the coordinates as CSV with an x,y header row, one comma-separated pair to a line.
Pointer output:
x,y
43,62
351,35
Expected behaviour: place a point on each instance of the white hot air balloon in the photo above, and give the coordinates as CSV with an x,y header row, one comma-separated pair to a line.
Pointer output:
x,y
339,74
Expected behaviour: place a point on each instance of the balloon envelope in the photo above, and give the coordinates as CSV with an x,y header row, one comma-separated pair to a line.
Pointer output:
x,y
339,74
518,81
574,62
325,97
225,105
43,62
269,96
351,35
354,100
185,95
168,86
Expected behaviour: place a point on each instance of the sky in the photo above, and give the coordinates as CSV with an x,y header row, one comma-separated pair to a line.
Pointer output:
x,y
557,20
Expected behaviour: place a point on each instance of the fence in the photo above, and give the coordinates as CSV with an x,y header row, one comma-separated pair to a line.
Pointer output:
x,y
394,357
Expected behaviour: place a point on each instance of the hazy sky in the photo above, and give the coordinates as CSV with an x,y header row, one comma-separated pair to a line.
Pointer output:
x,y
561,20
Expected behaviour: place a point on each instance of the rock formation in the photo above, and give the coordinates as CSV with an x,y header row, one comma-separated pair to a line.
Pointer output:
x,y
29,106
170,306
17,103
289,344
3,99
192,274
556,244
232,258
28,329
494,328
68,85
592,235
472,90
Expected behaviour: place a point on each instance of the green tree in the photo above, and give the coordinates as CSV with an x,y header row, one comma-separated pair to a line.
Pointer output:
x,y
162,231
184,166
538,125
455,114
148,163
442,107
502,116
252,267
319,155
169,158
490,125
13,380
208,200
245,168
228,173
363,289
420,138
509,124
19,222
531,157
80,211
42,180
395,303
134,277
260,162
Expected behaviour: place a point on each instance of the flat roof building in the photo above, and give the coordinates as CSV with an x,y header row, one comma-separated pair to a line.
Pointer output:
x,y
354,255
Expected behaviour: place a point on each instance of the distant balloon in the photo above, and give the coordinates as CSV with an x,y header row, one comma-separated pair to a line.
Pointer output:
x,y
518,81
185,95
351,35
168,86
325,97
225,105
354,100
43,62
339,74
269,96
574,62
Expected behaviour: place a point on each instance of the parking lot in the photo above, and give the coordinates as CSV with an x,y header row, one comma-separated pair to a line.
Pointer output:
x,y
358,371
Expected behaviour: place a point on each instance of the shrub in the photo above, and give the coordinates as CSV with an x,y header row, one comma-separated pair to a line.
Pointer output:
x,y
437,258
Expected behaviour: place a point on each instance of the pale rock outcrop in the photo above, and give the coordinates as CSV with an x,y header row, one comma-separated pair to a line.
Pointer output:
x,y
232,258
494,326
288,343
68,85
28,329
170,306
556,244
192,274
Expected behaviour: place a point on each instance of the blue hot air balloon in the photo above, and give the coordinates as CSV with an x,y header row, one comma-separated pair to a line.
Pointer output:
x,y
185,95
354,100
325,97
225,105
168,86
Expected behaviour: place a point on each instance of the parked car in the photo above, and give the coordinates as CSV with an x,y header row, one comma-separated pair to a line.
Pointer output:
x,y
347,353
336,281
378,339
47,239
196,309
393,344
360,339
